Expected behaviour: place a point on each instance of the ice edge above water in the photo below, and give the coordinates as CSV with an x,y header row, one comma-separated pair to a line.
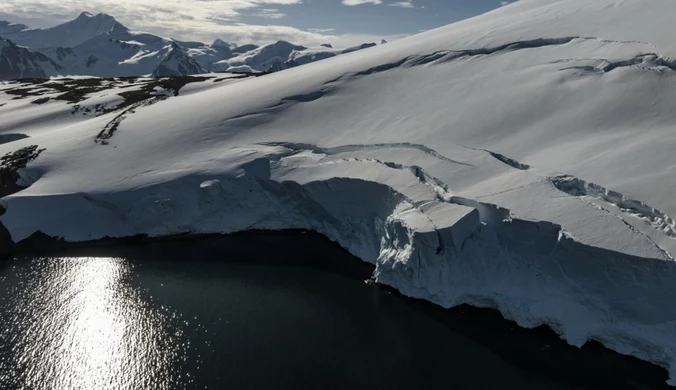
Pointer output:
x,y
447,249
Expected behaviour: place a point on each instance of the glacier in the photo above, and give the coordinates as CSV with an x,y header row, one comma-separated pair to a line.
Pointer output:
x,y
520,160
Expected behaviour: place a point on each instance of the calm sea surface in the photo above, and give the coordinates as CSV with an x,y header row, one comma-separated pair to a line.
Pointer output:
x,y
180,321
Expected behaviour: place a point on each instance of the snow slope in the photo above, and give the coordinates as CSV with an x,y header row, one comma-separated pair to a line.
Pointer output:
x,y
520,160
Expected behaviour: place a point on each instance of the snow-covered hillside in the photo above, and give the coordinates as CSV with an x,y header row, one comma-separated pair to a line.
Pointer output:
x,y
98,45
520,160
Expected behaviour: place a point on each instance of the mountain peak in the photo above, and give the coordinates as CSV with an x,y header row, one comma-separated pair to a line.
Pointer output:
x,y
177,63
220,42
70,34
287,45
17,62
101,18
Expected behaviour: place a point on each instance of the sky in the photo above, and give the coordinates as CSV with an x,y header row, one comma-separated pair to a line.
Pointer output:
x,y
339,22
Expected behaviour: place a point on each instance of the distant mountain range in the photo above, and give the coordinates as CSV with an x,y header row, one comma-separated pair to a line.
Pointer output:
x,y
98,45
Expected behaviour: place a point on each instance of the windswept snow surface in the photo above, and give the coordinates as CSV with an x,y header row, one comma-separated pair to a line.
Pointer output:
x,y
521,160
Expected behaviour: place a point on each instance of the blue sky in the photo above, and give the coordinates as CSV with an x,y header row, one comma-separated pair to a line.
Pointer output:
x,y
374,19
340,22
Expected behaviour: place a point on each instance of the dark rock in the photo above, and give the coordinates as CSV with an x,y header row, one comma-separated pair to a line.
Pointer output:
x,y
6,243
91,60
41,100
9,166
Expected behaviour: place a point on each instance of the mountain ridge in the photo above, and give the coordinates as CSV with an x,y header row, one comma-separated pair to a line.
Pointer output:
x,y
18,62
99,45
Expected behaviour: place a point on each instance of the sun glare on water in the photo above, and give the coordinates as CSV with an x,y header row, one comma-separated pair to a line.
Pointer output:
x,y
77,323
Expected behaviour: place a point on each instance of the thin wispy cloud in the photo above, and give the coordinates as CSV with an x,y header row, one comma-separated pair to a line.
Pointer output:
x,y
360,2
402,4
269,13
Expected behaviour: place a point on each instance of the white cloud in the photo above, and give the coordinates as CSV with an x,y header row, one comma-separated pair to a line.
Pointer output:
x,y
359,2
202,20
402,4
269,13
184,19
321,30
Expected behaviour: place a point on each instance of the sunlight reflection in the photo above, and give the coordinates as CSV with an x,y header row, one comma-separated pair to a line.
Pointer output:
x,y
81,325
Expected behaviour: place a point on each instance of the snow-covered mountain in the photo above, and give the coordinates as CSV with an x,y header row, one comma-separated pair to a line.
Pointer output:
x,y
98,45
177,63
17,62
521,160
106,56
69,34
278,56
268,57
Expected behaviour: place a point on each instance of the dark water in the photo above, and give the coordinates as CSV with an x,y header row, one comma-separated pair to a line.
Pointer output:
x,y
182,320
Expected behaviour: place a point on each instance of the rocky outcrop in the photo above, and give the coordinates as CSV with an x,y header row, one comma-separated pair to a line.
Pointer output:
x,y
10,181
